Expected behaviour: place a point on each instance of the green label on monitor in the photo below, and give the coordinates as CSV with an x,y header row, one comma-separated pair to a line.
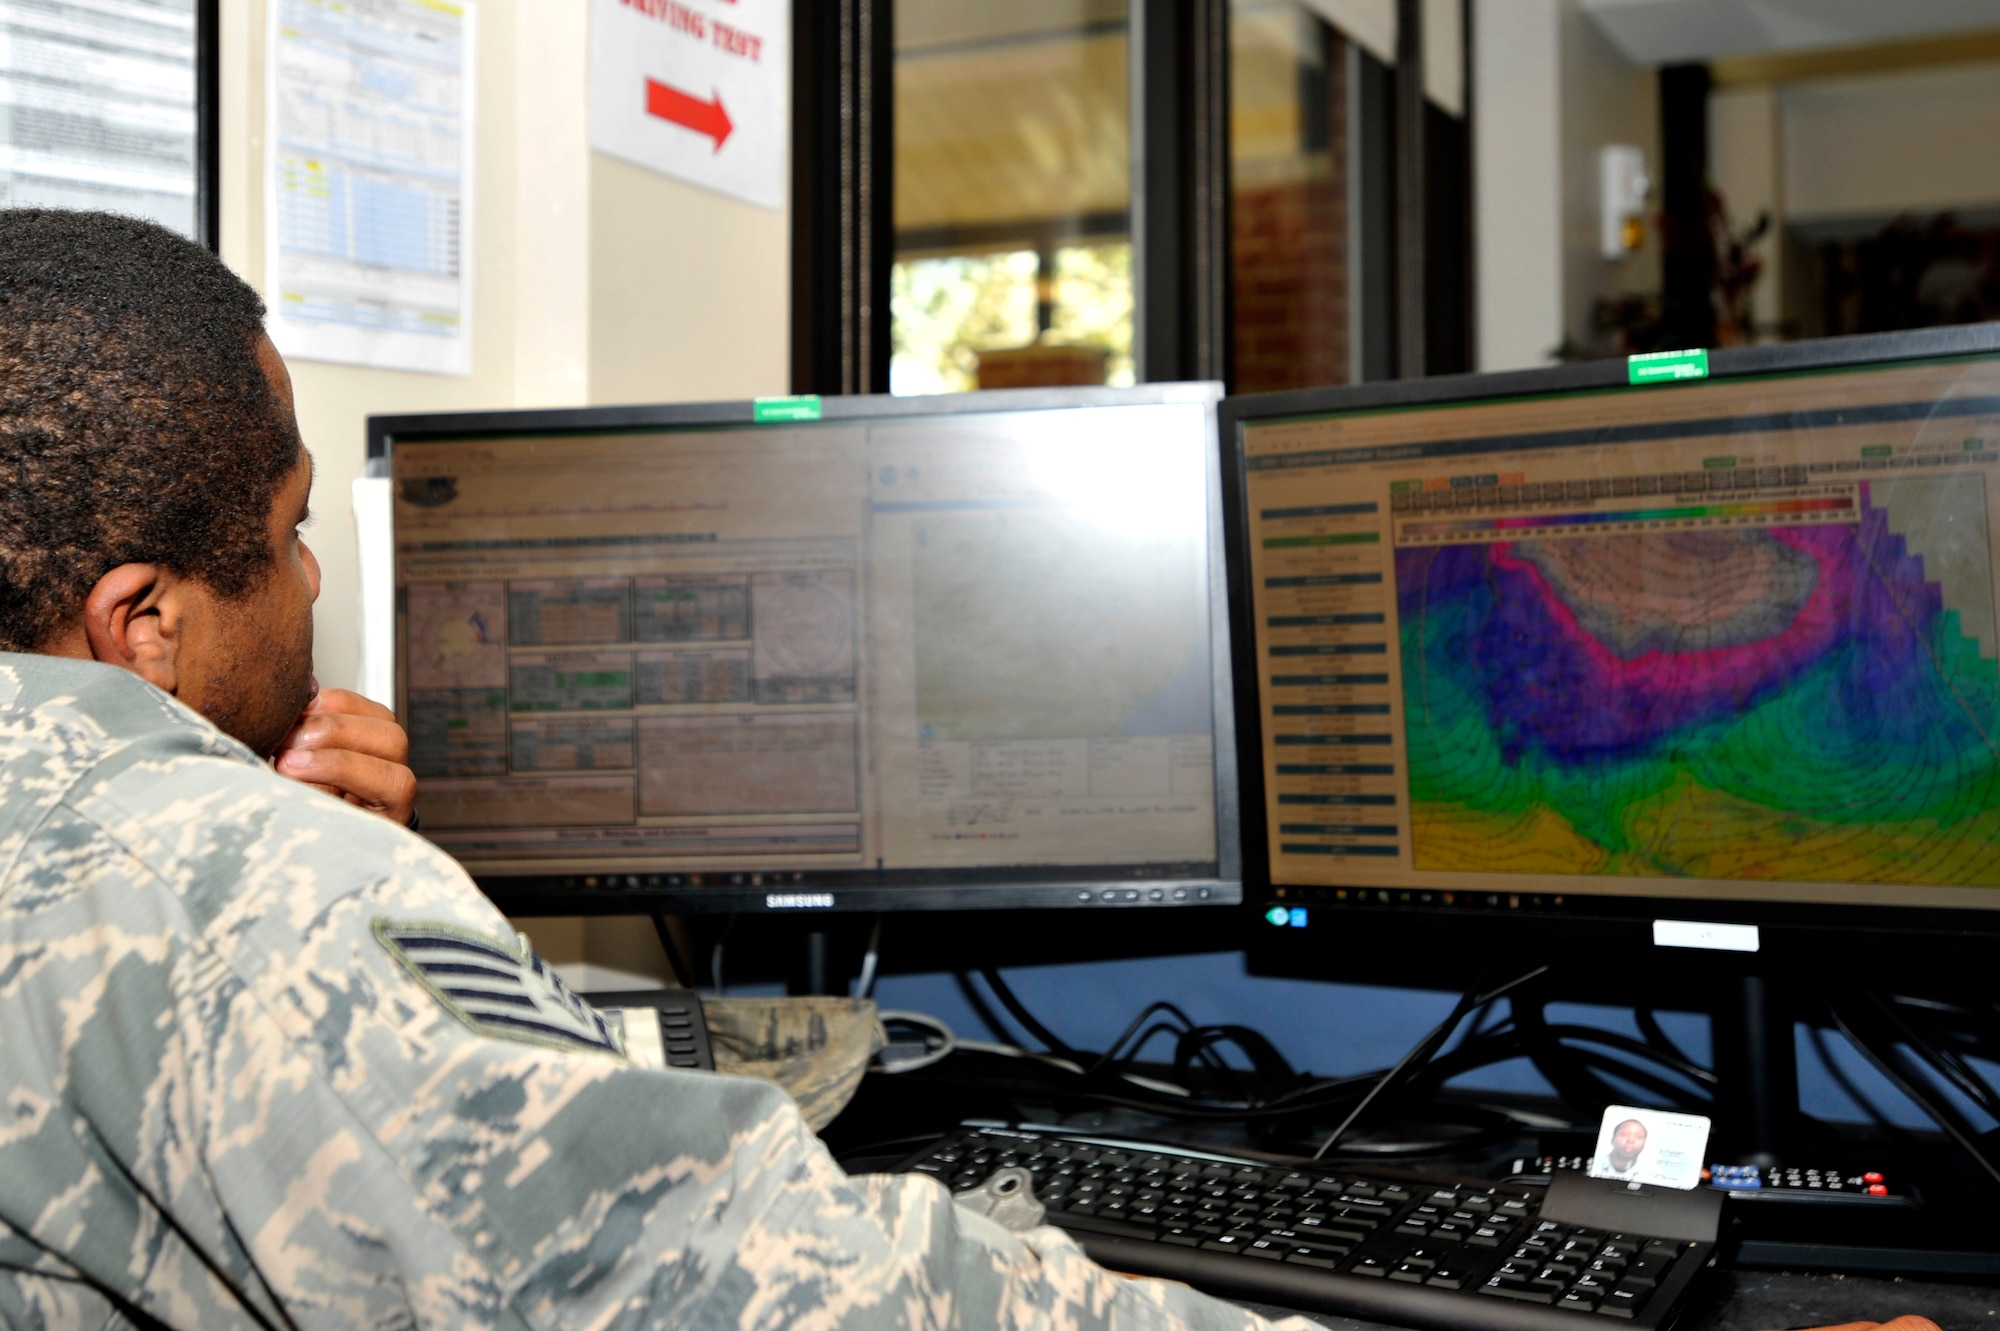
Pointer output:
x,y
1878,451
802,408
1662,366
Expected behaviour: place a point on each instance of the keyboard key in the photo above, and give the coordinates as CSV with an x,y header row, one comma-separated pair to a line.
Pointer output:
x,y
1447,1277
1370,1266
1576,1302
1411,1275
1631,1300
1098,1224
1520,1292
1322,1251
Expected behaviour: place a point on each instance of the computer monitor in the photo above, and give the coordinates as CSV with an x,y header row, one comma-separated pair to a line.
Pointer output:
x,y
799,655
1688,642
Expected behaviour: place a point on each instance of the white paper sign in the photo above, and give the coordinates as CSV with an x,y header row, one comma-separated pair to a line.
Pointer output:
x,y
368,171
695,89
97,108
1650,1146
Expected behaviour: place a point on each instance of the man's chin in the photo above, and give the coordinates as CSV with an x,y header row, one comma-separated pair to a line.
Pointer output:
x,y
265,733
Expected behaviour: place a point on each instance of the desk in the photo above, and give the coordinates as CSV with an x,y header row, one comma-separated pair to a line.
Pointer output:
x,y
1779,1300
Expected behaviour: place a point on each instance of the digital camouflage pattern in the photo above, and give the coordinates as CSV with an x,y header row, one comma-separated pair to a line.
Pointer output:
x,y
817,1047
228,1105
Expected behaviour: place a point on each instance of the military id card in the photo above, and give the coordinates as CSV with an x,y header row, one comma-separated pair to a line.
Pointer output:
x,y
1650,1146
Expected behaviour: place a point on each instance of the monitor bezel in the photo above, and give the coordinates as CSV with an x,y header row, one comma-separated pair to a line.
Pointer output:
x,y
1553,919
1064,887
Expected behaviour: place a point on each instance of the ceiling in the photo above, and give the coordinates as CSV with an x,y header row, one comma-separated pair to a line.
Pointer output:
x,y
1662,32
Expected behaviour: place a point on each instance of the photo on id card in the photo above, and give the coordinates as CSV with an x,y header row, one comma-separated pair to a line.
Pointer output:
x,y
1650,1146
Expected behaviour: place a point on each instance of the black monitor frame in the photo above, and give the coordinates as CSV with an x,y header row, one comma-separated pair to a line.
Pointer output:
x,y
669,892
1545,923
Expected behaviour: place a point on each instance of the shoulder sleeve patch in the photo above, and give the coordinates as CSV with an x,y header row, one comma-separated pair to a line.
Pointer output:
x,y
507,993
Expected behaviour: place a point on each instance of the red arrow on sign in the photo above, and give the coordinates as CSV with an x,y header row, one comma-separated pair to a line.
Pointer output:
x,y
671,104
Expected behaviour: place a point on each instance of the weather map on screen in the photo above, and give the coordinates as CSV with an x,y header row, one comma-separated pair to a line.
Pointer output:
x,y
1736,638
1774,702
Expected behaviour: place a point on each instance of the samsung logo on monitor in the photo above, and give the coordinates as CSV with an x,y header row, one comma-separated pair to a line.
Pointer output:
x,y
798,901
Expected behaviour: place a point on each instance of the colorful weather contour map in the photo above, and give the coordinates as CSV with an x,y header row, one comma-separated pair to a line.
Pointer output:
x,y
1784,703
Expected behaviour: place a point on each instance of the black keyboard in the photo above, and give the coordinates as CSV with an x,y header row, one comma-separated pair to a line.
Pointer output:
x,y
1410,1249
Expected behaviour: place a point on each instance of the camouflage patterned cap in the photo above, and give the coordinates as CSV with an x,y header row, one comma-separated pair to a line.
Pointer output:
x,y
816,1048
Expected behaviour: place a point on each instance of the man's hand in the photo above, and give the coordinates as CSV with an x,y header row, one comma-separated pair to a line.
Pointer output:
x,y
351,747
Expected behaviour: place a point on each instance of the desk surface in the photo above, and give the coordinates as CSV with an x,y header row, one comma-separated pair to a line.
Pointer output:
x,y
1782,1300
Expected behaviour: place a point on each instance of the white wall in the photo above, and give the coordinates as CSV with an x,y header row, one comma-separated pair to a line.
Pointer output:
x,y
1550,91
1745,163
1517,180
1917,141
1605,99
594,281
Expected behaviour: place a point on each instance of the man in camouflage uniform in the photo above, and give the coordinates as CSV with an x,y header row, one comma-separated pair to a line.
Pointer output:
x,y
268,1059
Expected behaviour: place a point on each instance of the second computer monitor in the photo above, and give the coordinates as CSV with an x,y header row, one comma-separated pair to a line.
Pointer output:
x,y
1730,642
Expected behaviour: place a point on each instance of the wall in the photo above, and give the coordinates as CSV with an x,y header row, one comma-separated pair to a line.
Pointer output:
x,y
1550,91
594,281
1517,181
690,294
1745,164
1916,141
1605,99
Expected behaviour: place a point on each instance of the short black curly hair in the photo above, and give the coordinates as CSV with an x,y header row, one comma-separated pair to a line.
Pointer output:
x,y
136,425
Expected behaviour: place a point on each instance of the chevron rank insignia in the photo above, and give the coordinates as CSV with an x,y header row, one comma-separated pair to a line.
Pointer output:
x,y
508,993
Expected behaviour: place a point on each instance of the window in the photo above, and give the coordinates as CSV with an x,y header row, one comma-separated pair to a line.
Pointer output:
x,y
1057,192
1012,258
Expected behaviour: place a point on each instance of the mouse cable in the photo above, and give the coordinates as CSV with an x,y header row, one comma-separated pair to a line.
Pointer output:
x,y
1925,1098
1020,1013
1422,1051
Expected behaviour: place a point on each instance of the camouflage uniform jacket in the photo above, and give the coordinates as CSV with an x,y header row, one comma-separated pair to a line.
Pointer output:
x,y
269,1061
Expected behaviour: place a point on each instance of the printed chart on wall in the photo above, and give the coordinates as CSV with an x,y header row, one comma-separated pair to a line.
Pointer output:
x,y
1771,657
368,207
99,108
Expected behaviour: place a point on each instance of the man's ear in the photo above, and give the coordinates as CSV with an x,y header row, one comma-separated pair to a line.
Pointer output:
x,y
133,619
